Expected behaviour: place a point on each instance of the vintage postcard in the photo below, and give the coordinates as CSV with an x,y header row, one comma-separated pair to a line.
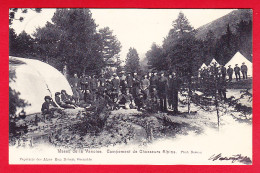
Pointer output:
x,y
130,86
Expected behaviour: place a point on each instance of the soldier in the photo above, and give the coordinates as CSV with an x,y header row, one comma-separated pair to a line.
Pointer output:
x,y
129,81
49,107
101,84
75,80
162,89
125,100
145,84
116,86
83,83
154,80
230,72
223,72
244,70
237,72
123,84
61,103
136,85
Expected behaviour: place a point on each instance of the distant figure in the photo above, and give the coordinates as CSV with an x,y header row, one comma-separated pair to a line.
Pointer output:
x,y
145,84
162,89
65,71
244,70
230,72
129,81
75,80
237,72
223,72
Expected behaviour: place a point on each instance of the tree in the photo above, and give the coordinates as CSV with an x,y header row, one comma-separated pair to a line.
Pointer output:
x,y
12,42
13,13
182,50
132,61
110,45
156,58
71,40
209,46
226,46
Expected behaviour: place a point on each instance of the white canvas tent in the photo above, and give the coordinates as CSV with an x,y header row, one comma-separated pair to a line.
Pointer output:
x,y
202,66
213,62
34,80
238,58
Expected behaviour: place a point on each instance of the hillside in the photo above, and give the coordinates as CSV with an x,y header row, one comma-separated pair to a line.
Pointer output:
x,y
219,25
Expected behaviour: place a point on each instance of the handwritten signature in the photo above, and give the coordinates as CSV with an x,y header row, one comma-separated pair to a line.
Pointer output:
x,y
234,158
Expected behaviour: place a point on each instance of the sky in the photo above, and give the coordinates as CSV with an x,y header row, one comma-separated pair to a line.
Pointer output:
x,y
138,28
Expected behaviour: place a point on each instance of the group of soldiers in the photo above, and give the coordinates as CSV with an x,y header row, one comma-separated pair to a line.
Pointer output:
x,y
228,72
155,90
129,90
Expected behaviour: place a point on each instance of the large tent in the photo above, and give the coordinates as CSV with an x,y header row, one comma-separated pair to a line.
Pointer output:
x,y
34,80
238,58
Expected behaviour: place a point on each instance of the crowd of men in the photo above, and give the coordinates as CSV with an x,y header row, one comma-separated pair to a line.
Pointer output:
x,y
228,72
154,91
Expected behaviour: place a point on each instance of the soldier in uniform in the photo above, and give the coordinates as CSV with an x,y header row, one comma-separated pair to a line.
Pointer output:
x,y
116,86
237,72
223,72
129,81
244,70
230,72
154,81
162,89
136,85
145,84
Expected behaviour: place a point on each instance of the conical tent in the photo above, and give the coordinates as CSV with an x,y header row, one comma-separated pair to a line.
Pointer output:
x,y
214,62
238,58
202,66
34,80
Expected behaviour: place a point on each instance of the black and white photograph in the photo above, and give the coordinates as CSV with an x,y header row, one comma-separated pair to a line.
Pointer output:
x,y
126,86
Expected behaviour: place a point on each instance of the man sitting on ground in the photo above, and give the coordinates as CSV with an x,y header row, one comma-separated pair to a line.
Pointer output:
x,y
61,103
49,107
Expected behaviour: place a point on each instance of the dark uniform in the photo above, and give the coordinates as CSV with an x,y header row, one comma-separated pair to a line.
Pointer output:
x,y
230,73
237,73
162,89
48,107
244,71
223,72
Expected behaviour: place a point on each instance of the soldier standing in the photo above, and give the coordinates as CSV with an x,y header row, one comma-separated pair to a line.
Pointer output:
x,y
230,72
145,87
116,85
244,70
223,72
162,88
237,72
129,81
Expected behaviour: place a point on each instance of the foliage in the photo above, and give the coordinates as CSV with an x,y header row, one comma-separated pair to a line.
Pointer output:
x,y
21,45
132,61
156,58
13,13
71,39
110,46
